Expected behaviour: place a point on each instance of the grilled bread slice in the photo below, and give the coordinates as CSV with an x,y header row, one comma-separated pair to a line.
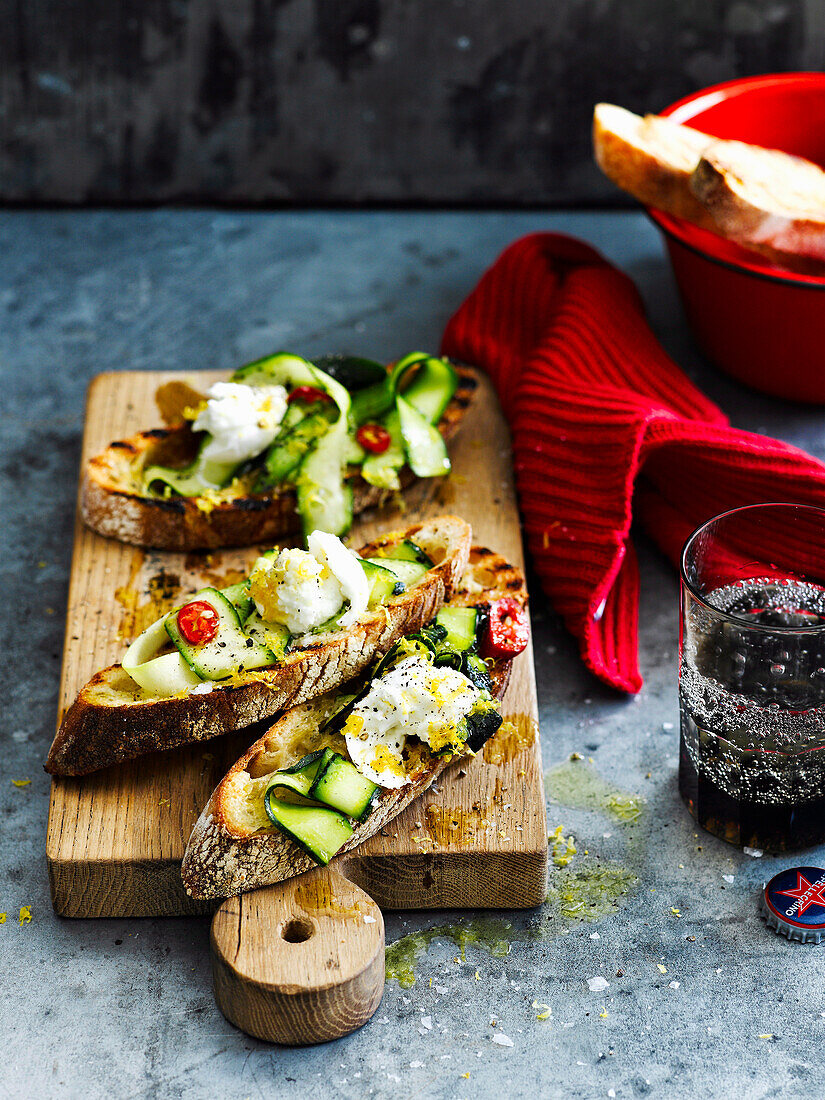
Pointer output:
x,y
113,719
234,848
762,199
114,502
765,200
652,158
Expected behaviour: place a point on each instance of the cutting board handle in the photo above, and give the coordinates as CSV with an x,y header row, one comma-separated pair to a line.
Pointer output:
x,y
300,962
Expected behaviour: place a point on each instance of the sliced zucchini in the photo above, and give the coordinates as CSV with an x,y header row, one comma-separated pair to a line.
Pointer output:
x,y
299,778
476,672
324,498
407,550
424,444
382,470
339,784
353,372
229,651
432,388
295,413
162,675
238,596
333,622
402,365
337,720
482,722
319,831
383,582
408,572
403,648
356,455
460,624
287,451
281,369
192,480
274,636
372,403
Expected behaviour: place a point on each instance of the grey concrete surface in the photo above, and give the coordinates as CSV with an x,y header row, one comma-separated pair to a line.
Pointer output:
x,y
123,1008
302,101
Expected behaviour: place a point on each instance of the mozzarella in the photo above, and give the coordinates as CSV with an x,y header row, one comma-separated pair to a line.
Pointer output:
x,y
304,588
294,589
414,699
346,567
242,420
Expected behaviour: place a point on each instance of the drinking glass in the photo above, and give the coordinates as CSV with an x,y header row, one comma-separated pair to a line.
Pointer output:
x,y
752,676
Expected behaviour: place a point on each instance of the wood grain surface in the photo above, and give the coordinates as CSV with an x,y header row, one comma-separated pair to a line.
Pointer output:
x,y
115,839
301,962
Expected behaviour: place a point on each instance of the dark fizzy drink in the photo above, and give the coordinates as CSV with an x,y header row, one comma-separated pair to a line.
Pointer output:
x,y
752,695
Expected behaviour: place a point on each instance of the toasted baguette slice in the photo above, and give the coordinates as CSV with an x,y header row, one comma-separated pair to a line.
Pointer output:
x,y
114,504
762,199
233,848
113,719
653,159
766,200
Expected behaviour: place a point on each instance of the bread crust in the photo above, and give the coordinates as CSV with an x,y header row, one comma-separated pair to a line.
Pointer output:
x,y
112,506
627,155
745,193
112,720
793,240
220,862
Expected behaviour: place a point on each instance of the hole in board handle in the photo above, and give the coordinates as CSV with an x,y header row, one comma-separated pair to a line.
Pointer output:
x,y
297,930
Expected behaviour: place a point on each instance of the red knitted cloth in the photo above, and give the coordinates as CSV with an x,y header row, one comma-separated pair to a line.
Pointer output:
x,y
604,424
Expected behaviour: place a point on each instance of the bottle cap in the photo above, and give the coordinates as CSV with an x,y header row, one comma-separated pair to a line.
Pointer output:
x,y
793,904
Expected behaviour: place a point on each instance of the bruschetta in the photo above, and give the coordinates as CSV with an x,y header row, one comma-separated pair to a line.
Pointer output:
x,y
332,772
301,624
283,445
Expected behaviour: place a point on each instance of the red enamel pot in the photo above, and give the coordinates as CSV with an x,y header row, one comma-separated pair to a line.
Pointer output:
x,y
759,323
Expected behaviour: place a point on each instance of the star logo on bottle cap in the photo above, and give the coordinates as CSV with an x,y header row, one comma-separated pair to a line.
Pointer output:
x,y
805,893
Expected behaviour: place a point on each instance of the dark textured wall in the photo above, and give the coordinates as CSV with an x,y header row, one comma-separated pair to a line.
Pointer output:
x,y
354,100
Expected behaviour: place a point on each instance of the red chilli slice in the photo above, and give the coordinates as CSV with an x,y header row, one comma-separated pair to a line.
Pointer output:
x,y
373,438
308,394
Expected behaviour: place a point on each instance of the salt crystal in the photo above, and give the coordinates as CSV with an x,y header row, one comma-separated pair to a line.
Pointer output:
x,y
595,936
427,1022
416,1065
757,853
728,878
611,1092
502,1040
673,985
368,919
442,989
667,725
201,689
597,984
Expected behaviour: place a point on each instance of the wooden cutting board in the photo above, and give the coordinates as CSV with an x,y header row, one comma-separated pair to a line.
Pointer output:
x,y
116,838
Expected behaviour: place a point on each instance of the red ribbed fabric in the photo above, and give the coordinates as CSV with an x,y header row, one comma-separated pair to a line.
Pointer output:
x,y
599,413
